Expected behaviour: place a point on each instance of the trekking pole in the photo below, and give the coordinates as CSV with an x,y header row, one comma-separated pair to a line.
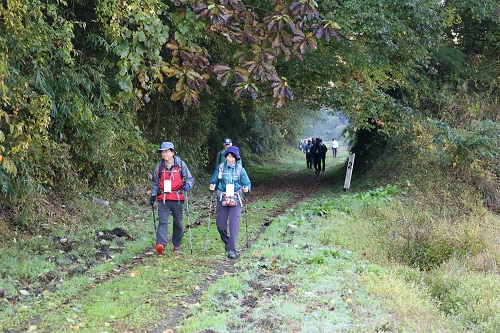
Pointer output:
x,y
246,218
189,225
154,218
246,221
208,223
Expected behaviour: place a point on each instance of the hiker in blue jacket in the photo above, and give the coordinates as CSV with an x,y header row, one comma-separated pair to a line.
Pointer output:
x,y
230,181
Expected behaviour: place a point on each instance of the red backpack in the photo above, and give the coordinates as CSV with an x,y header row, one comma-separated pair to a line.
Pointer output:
x,y
174,177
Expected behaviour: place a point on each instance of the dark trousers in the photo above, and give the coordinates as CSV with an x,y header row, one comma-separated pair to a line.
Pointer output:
x,y
309,161
323,162
233,213
164,210
317,165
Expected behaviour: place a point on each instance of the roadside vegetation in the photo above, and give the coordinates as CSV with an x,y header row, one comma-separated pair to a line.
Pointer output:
x,y
376,258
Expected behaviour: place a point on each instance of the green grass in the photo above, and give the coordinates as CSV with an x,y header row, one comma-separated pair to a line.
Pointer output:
x,y
301,284
332,238
108,289
336,262
275,165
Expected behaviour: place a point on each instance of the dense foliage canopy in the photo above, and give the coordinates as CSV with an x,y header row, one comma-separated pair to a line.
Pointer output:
x,y
88,88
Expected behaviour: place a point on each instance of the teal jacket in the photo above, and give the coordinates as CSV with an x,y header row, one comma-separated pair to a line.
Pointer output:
x,y
225,174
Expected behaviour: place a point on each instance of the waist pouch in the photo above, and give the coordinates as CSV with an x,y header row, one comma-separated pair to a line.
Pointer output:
x,y
228,201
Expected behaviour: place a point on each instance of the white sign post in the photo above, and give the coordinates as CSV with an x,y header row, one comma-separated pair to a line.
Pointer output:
x,y
350,164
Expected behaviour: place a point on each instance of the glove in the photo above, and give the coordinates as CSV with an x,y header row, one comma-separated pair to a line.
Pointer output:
x,y
187,187
152,200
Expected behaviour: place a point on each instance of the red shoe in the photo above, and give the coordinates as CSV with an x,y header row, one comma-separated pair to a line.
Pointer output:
x,y
160,249
177,248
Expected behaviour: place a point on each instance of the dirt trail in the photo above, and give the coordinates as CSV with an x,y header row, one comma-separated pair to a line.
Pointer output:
x,y
298,186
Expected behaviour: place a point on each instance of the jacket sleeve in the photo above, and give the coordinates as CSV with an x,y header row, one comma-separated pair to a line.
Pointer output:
x,y
245,181
155,180
186,175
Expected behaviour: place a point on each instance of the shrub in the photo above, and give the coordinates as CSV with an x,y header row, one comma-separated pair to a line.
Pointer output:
x,y
470,297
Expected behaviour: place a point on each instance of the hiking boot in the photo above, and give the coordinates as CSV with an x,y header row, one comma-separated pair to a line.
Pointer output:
x,y
231,254
160,248
177,249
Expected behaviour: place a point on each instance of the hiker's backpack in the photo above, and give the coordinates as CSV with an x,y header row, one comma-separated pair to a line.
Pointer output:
x,y
175,177
229,201
238,170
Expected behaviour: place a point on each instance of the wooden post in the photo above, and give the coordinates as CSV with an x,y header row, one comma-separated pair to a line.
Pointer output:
x,y
350,164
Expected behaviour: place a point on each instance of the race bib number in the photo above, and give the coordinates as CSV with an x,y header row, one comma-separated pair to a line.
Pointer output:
x,y
230,190
167,186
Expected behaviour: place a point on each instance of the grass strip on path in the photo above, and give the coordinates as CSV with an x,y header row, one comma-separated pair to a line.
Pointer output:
x,y
290,281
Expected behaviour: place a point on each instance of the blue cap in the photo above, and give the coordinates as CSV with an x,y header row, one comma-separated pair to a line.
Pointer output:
x,y
234,150
228,141
166,146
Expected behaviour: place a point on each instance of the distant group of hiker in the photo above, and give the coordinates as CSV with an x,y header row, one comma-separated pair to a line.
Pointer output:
x,y
316,153
171,182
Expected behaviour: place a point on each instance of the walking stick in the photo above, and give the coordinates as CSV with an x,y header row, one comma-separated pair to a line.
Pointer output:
x,y
154,218
208,223
246,222
246,219
189,224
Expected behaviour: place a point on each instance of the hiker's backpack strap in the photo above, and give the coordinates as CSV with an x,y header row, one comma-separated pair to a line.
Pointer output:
x,y
238,169
177,161
221,168
162,167
180,162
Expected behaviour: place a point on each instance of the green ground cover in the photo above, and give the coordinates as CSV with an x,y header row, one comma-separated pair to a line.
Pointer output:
x,y
319,260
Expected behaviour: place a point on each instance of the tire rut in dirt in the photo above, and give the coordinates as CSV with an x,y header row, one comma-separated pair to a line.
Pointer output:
x,y
286,183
